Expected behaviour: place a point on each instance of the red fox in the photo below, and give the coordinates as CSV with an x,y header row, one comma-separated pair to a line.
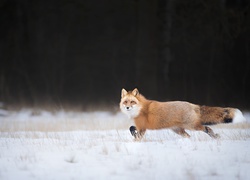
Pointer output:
x,y
176,115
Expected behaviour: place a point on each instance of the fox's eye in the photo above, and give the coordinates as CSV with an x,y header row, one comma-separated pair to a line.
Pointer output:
x,y
132,102
125,102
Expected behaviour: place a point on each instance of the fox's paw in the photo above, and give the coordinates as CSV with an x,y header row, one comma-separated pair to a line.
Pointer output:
x,y
133,131
216,136
137,134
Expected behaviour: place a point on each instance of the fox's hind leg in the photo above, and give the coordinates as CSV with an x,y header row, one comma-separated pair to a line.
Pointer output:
x,y
181,132
138,134
207,130
210,132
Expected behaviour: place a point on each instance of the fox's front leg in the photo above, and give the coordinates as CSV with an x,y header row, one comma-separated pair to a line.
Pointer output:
x,y
138,134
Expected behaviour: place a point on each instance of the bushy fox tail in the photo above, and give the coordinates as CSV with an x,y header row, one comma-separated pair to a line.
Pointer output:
x,y
216,115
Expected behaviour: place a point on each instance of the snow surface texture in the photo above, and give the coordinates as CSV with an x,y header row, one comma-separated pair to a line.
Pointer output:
x,y
98,145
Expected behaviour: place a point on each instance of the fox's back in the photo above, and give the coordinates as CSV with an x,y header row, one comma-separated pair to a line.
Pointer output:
x,y
173,113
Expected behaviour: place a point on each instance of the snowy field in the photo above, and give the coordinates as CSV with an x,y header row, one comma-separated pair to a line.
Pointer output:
x,y
98,145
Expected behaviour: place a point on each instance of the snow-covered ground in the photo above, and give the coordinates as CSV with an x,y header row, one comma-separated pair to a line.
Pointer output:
x,y
98,145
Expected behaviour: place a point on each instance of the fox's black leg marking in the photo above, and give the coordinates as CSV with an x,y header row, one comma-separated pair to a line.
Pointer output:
x,y
137,134
133,131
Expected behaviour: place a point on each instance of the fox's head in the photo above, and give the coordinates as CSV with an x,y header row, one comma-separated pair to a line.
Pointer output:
x,y
129,103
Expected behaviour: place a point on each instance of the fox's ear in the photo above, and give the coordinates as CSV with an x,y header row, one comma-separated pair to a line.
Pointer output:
x,y
135,92
124,93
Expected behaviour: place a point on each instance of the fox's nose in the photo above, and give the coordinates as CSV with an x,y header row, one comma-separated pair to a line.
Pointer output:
x,y
127,107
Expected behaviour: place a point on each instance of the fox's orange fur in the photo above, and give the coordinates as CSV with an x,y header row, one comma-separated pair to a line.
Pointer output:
x,y
177,115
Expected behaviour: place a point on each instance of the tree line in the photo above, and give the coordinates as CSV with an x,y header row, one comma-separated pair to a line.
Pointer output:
x,y
86,51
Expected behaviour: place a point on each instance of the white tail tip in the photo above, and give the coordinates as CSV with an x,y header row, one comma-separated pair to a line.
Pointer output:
x,y
238,117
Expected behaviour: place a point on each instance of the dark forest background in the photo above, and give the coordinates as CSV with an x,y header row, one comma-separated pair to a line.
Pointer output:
x,y
82,52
